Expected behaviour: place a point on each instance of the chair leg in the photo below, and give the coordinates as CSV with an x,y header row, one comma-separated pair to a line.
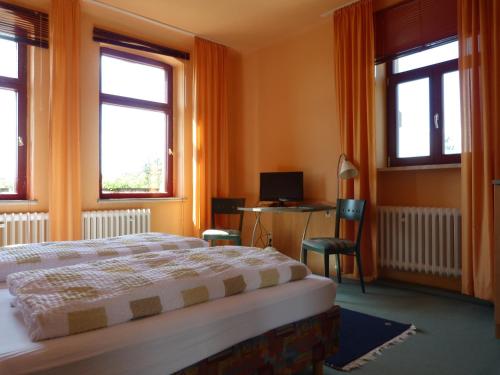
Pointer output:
x,y
339,272
360,270
304,255
326,258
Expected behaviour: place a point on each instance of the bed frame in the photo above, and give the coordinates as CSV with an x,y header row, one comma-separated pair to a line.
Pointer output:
x,y
283,350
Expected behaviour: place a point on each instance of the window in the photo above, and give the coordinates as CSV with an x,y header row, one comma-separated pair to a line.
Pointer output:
x,y
12,120
424,107
136,126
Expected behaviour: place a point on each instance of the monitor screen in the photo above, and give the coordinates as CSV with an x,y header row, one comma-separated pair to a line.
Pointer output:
x,y
281,186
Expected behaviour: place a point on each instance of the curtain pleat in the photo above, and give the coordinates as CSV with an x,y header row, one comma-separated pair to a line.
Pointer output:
x,y
64,128
479,66
211,121
354,58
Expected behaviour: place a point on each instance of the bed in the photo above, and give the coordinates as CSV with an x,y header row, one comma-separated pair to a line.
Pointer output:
x,y
218,334
165,343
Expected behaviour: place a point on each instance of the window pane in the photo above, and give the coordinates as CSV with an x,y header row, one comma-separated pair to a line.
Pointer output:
x,y
452,137
428,57
133,79
8,141
8,60
413,118
133,150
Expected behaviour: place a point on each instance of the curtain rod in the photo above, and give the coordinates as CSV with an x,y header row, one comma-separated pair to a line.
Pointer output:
x,y
138,16
328,13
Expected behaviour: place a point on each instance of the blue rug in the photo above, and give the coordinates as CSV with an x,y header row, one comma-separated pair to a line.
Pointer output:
x,y
363,337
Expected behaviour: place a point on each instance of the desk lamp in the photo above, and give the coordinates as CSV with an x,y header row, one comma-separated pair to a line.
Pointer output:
x,y
345,170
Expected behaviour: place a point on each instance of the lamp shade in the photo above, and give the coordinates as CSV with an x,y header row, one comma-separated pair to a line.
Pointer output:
x,y
347,170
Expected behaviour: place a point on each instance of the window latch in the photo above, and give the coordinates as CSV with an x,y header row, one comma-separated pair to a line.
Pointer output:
x,y
170,152
20,142
436,120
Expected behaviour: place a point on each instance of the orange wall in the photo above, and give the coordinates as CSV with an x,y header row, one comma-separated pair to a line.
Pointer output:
x,y
288,115
38,92
287,122
282,118
410,186
173,216
428,188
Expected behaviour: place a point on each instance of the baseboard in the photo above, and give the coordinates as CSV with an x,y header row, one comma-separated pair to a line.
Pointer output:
x,y
448,283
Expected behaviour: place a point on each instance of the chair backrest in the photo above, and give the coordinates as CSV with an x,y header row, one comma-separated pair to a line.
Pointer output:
x,y
352,210
227,206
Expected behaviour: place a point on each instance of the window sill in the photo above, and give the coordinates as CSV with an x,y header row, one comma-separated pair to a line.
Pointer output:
x,y
18,202
420,167
137,200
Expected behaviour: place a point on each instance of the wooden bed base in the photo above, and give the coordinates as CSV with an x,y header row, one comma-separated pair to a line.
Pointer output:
x,y
283,350
318,367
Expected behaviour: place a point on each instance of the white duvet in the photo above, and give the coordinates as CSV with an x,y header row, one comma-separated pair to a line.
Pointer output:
x,y
56,254
88,296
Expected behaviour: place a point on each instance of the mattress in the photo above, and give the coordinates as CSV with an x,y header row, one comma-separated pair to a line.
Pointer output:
x,y
164,343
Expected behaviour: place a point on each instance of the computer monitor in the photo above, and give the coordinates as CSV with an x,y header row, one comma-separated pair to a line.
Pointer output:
x,y
282,186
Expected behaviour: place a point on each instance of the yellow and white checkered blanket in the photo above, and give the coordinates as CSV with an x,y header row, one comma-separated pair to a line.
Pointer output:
x,y
88,296
56,254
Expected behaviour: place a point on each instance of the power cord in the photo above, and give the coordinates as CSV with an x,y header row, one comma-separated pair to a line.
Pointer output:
x,y
264,236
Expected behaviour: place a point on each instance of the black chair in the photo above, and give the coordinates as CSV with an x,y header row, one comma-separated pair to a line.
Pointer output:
x,y
225,206
347,209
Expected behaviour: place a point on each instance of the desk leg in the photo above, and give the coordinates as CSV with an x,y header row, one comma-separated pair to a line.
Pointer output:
x,y
257,222
305,233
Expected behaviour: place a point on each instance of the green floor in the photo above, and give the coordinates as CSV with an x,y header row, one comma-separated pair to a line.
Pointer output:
x,y
455,335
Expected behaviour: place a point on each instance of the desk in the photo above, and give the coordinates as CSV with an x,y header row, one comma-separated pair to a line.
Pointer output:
x,y
306,208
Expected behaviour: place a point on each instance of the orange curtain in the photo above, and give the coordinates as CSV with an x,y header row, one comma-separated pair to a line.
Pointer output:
x,y
64,131
479,65
211,121
354,59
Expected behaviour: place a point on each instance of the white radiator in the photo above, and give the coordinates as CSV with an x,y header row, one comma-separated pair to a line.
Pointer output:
x,y
102,224
420,239
20,228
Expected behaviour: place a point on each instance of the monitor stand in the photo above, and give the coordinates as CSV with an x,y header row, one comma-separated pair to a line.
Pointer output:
x,y
279,203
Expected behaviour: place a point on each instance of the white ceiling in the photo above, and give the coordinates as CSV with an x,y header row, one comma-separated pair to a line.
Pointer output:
x,y
244,25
